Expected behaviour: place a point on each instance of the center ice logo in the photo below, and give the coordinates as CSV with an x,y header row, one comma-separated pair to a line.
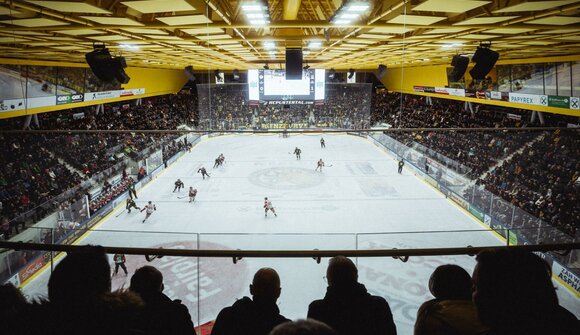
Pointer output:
x,y
286,178
214,282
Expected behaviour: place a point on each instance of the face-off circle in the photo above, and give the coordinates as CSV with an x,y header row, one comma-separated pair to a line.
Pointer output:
x,y
214,282
286,178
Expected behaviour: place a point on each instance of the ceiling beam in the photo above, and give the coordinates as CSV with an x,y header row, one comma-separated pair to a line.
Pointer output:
x,y
303,24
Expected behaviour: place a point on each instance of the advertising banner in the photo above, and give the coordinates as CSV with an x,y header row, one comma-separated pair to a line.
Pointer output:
x,y
495,95
31,268
574,103
460,201
487,220
567,276
67,99
558,101
529,99
476,212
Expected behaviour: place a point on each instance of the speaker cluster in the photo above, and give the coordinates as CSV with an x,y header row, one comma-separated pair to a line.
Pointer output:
x,y
106,67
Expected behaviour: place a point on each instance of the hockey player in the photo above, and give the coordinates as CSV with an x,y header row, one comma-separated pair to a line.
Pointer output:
x,y
131,187
120,260
131,204
149,209
222,159
401,164
268,206
203,172
319,165
192,193
322,145
216,163
297,152
178,185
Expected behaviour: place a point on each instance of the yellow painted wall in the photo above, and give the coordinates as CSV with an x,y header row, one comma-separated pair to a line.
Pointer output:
x,y
436,76
155,81
403,79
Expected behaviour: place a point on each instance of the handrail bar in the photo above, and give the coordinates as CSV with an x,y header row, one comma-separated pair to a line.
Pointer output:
x,y
289,253
271,131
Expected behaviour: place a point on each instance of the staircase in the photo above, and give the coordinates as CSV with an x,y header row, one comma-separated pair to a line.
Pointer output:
x,y
63,162
510,156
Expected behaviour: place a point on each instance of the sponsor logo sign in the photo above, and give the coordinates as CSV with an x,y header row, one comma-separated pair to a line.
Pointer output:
x,y
574,103
495,95
476,212
529,99
31,268
427,89
514,116
459,200
558,101
567,276
431,181
487,220
67,99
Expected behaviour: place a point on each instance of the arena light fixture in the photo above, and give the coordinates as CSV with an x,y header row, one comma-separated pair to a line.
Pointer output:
x,y
256,13
257,22
348,16
255,16
314,45
342,22
269,45
252,8
357,7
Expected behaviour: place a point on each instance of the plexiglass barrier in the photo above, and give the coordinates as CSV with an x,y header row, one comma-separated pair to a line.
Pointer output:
x,y
208,284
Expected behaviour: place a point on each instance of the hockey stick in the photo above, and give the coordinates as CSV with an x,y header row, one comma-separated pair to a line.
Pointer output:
x,y
329,165
123,211
182,197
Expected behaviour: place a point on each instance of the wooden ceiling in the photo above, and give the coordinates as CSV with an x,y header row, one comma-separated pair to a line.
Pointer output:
x,y
212,34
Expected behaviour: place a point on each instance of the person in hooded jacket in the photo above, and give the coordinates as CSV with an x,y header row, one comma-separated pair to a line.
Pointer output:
x,y
255,316
347,307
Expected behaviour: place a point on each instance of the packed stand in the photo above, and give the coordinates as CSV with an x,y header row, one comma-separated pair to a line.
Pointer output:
x,y
27,183
29,178
476,150
226,107
544,180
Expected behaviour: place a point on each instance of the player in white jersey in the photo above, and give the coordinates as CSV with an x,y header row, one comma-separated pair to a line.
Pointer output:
x,y
149,209
268,206
192,193
319,165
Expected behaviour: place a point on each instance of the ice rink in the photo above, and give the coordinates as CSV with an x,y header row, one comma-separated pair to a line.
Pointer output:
x,y
358,201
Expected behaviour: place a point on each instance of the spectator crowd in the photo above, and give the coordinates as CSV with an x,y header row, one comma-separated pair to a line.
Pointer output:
x,y
511,293
40,167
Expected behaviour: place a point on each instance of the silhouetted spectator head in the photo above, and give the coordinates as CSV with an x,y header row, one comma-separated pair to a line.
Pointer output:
x,y
147,280
303,327
82,276
512,286
341,271
11,300
266,285
450,282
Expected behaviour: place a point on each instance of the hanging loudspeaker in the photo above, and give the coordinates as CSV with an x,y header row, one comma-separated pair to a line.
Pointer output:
x,y
382,71
189,73
459,64
484,60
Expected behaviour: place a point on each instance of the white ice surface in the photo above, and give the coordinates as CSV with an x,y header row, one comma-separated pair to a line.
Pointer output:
x,y
357,201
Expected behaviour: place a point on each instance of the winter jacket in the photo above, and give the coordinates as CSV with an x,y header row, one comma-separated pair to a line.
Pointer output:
x,y
448,317
248,317
162,315
352,310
